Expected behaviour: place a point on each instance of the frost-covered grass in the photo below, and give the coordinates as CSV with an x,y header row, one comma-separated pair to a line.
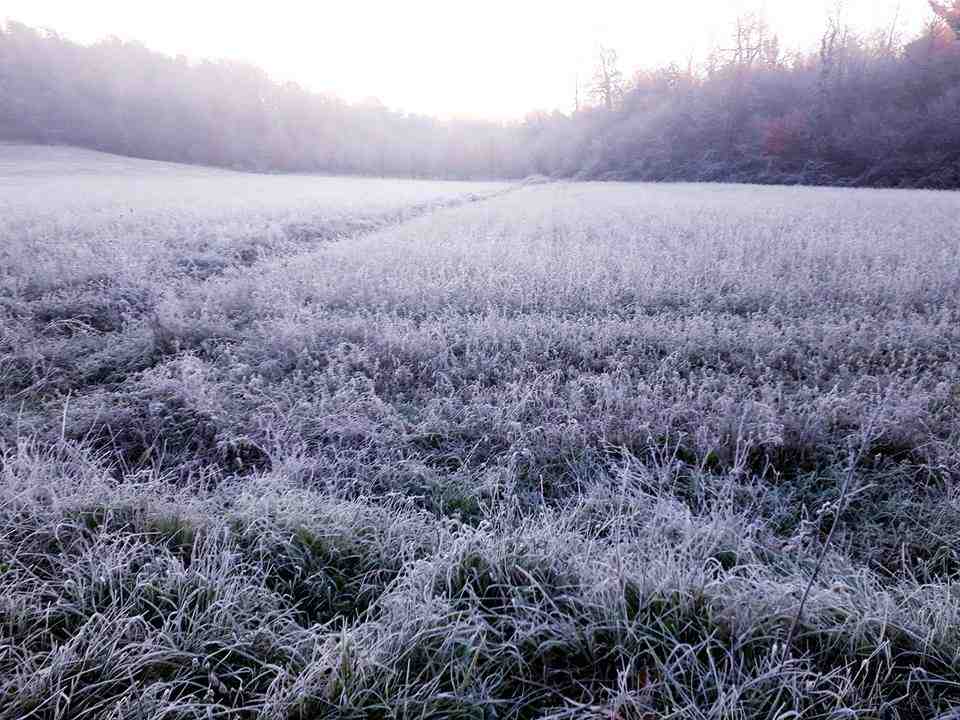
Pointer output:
x,y
70,216
568,451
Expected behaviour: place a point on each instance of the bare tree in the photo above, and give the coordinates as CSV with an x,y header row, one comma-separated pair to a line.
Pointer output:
x,y
751,42
607,78
891,36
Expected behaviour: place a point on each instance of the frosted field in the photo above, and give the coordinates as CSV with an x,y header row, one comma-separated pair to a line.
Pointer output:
x,y
318,447
134,218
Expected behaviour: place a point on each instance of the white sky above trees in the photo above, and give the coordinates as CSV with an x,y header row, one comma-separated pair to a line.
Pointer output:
x,y
485,58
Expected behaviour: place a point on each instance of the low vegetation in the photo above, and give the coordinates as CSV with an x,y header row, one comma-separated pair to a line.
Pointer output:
x,y
474,451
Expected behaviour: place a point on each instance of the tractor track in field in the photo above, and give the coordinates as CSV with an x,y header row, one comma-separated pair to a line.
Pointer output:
x,y
91,335
305,237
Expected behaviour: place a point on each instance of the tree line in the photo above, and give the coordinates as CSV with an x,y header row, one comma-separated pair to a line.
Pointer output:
x,y
122,98
858,110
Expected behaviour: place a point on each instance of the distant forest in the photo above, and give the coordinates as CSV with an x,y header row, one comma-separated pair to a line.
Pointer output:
x,y
874,111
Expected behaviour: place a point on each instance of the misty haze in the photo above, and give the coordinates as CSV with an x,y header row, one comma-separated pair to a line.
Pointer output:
x,y
521,360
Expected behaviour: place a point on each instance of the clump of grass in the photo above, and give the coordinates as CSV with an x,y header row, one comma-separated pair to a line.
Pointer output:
x,y
275,600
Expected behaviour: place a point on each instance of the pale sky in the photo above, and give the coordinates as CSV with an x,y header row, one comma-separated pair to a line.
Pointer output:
x,y
487,58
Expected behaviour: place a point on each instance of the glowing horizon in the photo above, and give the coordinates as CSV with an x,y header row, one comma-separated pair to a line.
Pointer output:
x,y
447,58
